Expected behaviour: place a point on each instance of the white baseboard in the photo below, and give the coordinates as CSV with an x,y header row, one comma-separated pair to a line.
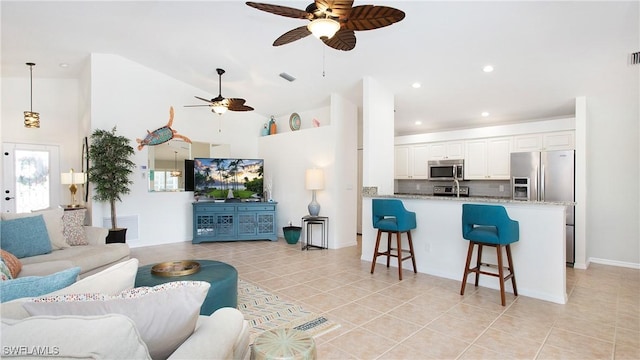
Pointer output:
x,y
614,263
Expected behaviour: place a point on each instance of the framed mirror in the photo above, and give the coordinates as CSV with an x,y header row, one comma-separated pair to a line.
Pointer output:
x,y
166,165
166,162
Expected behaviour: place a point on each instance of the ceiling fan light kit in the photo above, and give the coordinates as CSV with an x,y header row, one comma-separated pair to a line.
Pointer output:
x,y
219,108
323,28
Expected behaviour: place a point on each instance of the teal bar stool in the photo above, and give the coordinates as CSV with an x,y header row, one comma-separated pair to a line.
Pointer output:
x,y
390,216
489,225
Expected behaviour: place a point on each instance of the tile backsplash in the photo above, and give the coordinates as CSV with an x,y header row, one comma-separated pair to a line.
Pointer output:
x,y
493,188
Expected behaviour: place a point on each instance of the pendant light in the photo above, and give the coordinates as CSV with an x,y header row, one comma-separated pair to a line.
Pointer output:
x,y
175,172
31,119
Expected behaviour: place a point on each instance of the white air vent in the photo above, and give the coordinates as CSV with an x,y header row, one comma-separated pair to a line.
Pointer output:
x,y
130,222
287,77
635,58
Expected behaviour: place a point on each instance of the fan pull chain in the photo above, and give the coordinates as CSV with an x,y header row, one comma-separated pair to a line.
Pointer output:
x,y
323,55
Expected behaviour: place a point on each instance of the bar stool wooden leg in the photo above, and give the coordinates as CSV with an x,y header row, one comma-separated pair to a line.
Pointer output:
x,y
501,274
375,252
478,263
466,268
413,256
399,244
513,274
388,248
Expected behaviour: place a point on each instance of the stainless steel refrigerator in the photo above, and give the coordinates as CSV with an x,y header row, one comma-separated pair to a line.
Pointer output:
x,y
547,176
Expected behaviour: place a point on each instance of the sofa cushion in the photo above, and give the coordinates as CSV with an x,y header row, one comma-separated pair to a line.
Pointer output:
x,y
37,285
73,227
110,281
25,236
87,257
165,315
222,335
110,336
12,262
53,221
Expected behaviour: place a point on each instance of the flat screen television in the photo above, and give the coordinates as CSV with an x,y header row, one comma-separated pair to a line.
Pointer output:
x,y
215,178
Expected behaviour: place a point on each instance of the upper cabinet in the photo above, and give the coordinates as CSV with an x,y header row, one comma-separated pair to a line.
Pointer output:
x,y
411,161
487,159
446,150
562,140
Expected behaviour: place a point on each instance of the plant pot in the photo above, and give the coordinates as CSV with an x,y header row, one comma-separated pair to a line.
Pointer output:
x,y
117,236
292,234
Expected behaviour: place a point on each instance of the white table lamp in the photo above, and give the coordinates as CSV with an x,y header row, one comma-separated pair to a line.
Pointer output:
x,y
72,179
314,180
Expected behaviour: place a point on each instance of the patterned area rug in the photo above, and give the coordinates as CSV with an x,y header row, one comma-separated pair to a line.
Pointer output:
x,y
266,311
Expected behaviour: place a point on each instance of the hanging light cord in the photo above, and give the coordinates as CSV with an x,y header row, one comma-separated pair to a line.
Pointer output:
x,y
31,85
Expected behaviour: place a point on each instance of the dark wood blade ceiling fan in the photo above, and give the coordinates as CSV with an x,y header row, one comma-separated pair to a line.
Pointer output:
x,y
333,22
219,104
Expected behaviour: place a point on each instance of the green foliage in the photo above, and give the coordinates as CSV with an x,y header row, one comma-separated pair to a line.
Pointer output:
x,y
110,167
254,185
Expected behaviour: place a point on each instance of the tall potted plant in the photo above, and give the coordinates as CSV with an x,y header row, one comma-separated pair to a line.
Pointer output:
x,y
109,171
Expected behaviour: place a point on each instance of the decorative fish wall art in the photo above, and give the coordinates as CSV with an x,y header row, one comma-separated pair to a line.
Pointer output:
x,y
161,135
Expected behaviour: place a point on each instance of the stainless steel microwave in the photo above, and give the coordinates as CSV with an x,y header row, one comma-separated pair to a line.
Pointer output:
x,y
446,169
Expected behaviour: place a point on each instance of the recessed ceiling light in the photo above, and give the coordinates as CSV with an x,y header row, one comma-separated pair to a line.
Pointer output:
x,y
63,65
484,114
487,68
418,122
416,85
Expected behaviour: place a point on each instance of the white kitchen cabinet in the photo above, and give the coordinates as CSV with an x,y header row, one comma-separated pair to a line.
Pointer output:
x,y
411,161
401,162
561,140
446,150
564,140
487,159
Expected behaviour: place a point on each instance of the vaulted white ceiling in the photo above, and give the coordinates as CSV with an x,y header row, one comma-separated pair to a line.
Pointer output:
x,y
544,53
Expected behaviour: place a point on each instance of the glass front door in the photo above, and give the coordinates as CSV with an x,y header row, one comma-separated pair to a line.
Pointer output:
x,y
31,177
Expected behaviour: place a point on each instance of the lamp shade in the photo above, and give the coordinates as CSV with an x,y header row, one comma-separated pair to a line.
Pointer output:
x,y
72,178
314,179
219,108
323,28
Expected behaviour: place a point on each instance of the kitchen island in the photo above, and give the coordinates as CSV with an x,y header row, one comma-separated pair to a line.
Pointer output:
x,y
440,250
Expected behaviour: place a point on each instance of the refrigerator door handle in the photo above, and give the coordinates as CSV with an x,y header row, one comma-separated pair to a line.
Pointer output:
x,y
535,183
542,181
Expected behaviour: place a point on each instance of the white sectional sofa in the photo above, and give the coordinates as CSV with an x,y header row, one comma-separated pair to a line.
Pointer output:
x,y
140,323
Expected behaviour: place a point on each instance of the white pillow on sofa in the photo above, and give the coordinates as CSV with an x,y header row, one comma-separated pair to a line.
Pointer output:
x,y
109,336
165,315
110,281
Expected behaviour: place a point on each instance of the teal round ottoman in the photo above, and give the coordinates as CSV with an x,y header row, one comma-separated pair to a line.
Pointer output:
x,y
222,277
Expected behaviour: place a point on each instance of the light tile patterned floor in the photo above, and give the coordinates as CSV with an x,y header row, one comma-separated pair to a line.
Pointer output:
x,y
424,317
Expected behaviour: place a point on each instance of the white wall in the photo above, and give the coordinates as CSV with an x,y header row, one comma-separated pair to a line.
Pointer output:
x,y
330,147
137,99
377,136
613,170
57,102
528,127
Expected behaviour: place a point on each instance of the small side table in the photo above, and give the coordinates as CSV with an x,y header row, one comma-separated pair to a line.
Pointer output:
x,y
307,239
283,344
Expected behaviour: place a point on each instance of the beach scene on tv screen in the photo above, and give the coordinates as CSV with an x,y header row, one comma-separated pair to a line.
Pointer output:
x,y
228,178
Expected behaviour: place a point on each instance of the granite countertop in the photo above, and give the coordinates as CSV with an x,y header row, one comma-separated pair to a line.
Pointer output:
x,y
487,199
